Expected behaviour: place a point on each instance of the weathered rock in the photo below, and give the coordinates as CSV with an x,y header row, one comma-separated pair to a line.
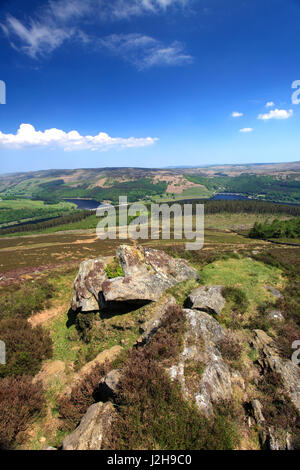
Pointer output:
x,y
108,385
147,274
207,298
158,311
270,359
214,384
270,438
91,432
257,411
274,439
87,285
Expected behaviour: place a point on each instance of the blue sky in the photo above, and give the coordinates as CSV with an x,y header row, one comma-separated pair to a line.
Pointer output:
x,y
148,83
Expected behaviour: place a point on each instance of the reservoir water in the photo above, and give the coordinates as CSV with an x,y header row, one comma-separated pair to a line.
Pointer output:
x,y
229,197
84,204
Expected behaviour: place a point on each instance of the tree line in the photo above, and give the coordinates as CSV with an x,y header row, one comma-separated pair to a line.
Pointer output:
x,y
63,220
276,229
241,206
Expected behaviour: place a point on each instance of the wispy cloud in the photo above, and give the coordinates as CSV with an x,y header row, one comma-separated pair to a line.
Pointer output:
x,y
27,135
245,130
270,104
236,114
58,21
66,10
145,51
276,114
37,38
120,9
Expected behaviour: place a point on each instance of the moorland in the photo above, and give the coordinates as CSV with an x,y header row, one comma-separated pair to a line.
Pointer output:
x,y
251,249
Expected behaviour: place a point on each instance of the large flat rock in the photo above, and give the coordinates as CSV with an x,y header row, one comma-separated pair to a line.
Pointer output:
x,y
147,275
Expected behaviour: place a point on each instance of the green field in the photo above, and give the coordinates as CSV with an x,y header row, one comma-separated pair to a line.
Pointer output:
x,y
190,193
249,275
23,210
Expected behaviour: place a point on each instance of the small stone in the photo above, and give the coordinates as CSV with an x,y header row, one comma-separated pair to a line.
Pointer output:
x,y
274,291
108,385
207,299
275,315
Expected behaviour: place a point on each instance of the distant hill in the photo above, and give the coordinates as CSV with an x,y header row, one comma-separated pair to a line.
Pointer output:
x,y
269,181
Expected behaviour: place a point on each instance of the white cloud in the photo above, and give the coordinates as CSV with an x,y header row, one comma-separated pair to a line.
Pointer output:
x,y
246,129
37,38
236,114
57,21
145,51
128,8
270,104
170,55
68,10
276,114
124,43
28,136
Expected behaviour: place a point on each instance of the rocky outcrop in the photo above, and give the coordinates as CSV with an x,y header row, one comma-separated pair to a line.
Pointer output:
x,y
201,353
91,432
147,274
274,439
207,298
270,360
270,438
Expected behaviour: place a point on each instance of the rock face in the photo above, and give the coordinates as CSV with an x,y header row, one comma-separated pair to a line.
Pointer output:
x,y
207,298
214,385
90,434
147,274
91,275
271,360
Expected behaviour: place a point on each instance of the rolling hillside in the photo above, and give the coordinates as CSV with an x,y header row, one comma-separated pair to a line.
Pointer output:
x,y
276,182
